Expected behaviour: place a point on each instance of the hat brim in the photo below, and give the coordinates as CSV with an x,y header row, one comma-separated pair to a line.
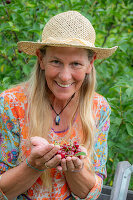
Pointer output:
x,y
31,47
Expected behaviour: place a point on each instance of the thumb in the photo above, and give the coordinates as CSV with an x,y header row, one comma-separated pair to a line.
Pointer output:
x,y
35,141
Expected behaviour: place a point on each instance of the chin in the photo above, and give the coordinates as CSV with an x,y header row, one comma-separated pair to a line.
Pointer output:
x,y
63,97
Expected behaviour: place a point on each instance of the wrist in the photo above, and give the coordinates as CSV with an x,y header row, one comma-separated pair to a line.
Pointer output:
x,y
32,167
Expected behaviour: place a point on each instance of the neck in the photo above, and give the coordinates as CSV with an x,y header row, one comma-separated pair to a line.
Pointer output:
x,y
59,104
64,111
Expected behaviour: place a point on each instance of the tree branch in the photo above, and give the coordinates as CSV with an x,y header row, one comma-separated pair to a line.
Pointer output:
x,y
108,33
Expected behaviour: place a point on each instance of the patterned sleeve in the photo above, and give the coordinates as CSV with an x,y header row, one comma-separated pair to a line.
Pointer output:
x,y
9,136
101,150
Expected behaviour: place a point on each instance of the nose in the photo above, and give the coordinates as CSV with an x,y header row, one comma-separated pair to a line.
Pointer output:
x,y
65,74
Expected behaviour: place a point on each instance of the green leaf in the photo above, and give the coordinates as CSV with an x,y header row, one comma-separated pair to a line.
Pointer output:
x,y
80,154
26,69
129,127
129,91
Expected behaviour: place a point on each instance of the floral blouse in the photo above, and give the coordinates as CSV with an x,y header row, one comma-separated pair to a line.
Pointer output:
x,y
13,137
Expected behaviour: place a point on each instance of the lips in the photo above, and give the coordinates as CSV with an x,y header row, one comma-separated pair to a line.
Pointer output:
x,y
64,85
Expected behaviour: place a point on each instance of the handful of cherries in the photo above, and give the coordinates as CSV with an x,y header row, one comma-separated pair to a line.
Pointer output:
x,y
70,150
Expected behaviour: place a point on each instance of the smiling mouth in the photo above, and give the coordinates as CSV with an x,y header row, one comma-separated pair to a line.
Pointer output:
x,y
64,86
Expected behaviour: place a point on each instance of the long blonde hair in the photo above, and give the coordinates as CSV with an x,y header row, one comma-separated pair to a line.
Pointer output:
x,y
39,112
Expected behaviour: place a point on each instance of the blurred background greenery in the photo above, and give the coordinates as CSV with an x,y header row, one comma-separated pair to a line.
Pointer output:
x,y
112,20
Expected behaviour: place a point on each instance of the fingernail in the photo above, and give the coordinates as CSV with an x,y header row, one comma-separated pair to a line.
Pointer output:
x,y
57,146
68,158
51,145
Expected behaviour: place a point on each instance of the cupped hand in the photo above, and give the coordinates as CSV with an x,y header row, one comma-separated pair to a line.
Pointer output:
x,y
43,155
38,141
73,164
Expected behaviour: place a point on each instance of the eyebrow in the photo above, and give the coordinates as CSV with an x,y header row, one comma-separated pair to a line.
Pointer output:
x,y
78,61
54,57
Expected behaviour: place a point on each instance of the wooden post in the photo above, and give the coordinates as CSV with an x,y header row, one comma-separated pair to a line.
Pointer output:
x,y
121,181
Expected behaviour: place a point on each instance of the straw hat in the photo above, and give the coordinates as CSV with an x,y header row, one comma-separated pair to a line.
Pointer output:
x,y
67,29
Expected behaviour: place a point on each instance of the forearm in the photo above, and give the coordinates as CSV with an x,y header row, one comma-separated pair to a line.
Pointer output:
x,y
18,180
80,183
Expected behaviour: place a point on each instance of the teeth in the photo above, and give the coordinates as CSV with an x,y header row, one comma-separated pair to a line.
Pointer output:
x,y
61,85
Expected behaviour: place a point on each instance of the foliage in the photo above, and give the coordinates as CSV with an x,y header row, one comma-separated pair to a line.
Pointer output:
x,y
112,20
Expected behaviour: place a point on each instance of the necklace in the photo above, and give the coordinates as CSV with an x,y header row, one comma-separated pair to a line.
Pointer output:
x,y
57,118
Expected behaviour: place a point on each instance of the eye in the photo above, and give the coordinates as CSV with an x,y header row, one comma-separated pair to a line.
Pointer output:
x,y
55,61
76,64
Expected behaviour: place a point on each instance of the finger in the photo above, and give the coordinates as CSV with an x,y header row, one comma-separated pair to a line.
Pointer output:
x,y
69,164
35,141
59,168
54,162
63,164
50,154
40,151
77,163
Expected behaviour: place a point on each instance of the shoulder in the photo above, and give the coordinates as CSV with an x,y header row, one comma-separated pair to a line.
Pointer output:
x,y
13,95
13,102
99,102
101,107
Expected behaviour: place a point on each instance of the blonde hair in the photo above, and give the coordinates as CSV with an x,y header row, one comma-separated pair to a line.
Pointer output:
x,y
39,113
87,113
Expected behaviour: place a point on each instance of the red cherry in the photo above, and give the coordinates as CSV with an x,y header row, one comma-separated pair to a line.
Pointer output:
x,y
8,1
70,153
78,150
73,149
63,155
69,150
19,51
59,152
76,145
61,147
64,146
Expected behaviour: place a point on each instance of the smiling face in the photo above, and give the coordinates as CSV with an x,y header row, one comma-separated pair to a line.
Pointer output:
x,y
65,70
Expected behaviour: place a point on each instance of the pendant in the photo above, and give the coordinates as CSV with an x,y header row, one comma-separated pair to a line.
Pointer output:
x,y
57,120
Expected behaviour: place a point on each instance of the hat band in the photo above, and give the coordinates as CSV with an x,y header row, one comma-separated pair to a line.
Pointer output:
x,y
74,41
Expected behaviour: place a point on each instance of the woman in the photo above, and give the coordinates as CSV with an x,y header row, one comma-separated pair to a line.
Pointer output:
x,y
57,104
